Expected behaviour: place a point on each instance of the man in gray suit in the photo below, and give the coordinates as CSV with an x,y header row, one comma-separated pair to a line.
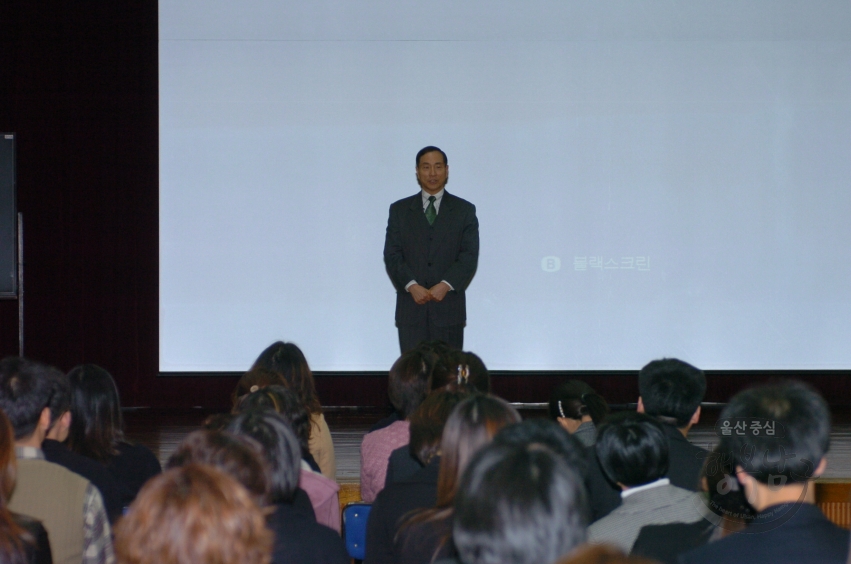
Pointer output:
x,y
431,250
633,451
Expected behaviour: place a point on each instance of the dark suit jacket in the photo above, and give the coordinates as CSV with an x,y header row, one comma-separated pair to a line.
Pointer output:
x,y
788,533
447,250
300,539
393,503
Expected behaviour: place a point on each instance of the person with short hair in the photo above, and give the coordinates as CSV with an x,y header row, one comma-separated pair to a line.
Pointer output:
x,y
431,250
70,507
633,452
195,514
518,505
776,466
299,537
670,391
408,385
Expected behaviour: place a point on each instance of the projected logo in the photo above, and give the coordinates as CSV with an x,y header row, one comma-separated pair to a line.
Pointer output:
x,y
550,264
599,262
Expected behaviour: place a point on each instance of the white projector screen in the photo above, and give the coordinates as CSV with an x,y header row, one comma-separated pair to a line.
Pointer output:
x,y
652,178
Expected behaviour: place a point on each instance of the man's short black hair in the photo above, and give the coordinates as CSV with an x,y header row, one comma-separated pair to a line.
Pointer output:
x,y
801,421
632,449
518,505
25,390
430,149
671,388
549,434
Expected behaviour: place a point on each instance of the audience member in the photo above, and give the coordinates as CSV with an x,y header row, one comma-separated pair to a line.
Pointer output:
x,y
783,449
196,514
633,451
408,386
283,401
116,496
518,505
97,430
70,507
670,390
549,434
464,370
726,510
426,535
579,409
420,490
322,492
297,531
288,362
23,540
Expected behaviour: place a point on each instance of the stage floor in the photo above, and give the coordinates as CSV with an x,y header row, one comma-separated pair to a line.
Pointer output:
x,y
162,431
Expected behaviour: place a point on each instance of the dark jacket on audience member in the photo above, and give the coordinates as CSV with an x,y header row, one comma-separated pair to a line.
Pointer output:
x,y
665,542
113,492
401,466
133,466
787,533
38,553
299,539
685,462
392,503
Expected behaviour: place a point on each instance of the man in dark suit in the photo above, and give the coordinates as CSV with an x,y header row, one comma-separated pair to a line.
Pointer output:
x,y
778,435
670,390
431,250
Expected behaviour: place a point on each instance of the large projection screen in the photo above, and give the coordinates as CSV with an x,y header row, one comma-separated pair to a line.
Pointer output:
x,y
652,178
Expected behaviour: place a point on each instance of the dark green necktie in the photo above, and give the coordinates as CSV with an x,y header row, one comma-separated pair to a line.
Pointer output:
x,y
431,212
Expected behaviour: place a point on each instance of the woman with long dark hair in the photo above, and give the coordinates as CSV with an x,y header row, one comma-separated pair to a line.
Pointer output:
x,y
23,540
578,409
288,362
97,430
425,536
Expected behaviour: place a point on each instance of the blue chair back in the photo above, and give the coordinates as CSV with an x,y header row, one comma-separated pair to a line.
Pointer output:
x,y
355,516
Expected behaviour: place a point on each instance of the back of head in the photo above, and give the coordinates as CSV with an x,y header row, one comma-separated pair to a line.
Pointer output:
x,y
409,380
195,514
287,360
284,402
60,396
671,389
632,449
280,447
518,506
11,547
96,422
237,456
471,425
799,420
252,381
441,374
575,399
427,423
25,388
550,435
467,370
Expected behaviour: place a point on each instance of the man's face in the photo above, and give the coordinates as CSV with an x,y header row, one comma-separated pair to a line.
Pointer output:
x,y
432,172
